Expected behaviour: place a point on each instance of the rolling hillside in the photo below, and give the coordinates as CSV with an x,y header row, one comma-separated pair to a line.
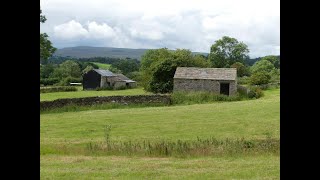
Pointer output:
x,y
87,51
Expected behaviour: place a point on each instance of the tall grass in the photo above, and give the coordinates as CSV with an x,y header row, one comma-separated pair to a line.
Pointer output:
x,y
179,148
181,97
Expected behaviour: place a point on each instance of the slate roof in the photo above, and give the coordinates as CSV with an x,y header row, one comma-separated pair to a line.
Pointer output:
x,y
103,72
124,78
205,73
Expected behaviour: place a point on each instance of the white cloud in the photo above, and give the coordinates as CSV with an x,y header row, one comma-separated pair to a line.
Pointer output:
x,y
190,24
70,30
100,31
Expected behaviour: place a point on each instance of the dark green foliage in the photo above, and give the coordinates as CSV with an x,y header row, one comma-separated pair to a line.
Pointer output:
x,y
243,80
242,70
275,60
66,69
158,67
136,76
262,66
259,78
57,89
46,70
84,65
67,80
46,48
255,92
227,51
126,66
49,81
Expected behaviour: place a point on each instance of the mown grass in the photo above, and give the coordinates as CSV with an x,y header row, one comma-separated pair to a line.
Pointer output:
x,y
80,93
248,119
102,65
263,167
65,140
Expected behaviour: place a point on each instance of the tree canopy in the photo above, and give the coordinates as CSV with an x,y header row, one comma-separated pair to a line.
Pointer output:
x,y
274,60
46,48
158,67
226,51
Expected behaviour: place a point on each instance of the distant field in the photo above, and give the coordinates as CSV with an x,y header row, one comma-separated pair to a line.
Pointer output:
x,y
80,93
102,65
251,119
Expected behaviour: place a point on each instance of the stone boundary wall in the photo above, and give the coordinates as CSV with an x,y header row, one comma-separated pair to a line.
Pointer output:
x,y
138,99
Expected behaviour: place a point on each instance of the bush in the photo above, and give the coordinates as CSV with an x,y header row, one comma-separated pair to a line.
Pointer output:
x,y
259,78
244,80
57,89
49,81
255,92
250,92
66,81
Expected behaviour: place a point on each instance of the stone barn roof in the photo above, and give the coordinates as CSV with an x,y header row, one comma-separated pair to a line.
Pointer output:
x,y
206,73
124,78
103,72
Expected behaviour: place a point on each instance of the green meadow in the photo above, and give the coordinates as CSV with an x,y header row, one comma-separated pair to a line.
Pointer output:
x,y
65,136
80,93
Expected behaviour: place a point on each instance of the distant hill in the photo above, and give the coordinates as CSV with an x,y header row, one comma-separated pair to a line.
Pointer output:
x,y
252,61
88,51
111,52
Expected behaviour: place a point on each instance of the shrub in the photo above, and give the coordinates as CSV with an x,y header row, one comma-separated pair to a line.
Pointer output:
x,y
259,78
243,80
57,89
66,81
255,92
250,91
49,81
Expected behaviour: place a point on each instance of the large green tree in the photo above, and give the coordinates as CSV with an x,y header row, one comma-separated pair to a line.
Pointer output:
x,y
46,48
262,65
275,60
226,51
67,69
158,67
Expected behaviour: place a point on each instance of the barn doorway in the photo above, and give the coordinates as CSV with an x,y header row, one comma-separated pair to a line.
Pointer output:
x,y
224,88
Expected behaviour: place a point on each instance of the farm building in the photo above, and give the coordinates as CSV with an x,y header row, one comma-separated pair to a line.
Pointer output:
x,y
217,80
98,78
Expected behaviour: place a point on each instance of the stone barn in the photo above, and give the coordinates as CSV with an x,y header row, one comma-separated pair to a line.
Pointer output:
x,y
217,80
98,78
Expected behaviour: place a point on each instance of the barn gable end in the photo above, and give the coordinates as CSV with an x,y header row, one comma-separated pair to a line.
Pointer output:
x,y
217,80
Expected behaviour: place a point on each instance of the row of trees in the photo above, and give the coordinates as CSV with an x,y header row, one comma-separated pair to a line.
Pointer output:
x,y
158,66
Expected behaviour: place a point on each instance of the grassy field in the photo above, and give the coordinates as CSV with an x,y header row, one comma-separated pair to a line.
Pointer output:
x,y
102,65
251,119
80,93
118,167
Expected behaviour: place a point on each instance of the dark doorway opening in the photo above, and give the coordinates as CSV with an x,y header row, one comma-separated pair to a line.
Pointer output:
x,y
127,84
224,88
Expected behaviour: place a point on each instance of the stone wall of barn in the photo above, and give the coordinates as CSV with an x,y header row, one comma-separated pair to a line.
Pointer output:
x,y
118,84
202,85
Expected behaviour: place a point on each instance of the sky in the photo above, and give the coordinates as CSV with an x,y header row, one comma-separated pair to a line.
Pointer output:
x,y
150,24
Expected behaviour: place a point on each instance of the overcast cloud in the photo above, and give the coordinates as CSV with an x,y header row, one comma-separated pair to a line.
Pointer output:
x,y
189,24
